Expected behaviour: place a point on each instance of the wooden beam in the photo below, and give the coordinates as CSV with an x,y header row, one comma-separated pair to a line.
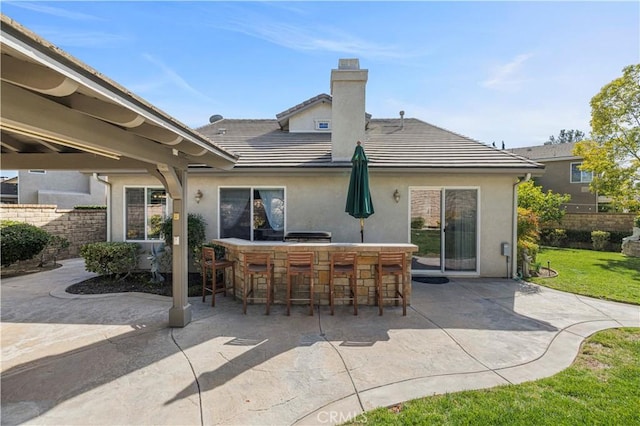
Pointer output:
x,y
36,77
26,113
155,133
68,161
11,143
105,111
171,181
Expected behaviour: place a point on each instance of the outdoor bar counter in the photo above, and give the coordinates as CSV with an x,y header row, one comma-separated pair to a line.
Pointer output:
x,y
367,263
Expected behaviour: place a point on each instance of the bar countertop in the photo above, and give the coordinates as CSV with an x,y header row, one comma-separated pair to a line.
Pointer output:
x,y
237,243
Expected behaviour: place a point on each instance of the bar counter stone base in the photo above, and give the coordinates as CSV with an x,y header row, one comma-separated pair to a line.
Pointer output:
x,y
367,264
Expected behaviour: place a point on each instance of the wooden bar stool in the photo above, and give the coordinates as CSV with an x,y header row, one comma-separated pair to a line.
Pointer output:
x,y
211,264
391,264
257,264
344,265
300,264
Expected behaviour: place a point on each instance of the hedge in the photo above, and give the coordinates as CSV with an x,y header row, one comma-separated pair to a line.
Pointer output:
x,y
20,241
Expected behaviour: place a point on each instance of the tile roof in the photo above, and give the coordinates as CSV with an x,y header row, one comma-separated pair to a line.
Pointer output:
x,y
260,143
542,153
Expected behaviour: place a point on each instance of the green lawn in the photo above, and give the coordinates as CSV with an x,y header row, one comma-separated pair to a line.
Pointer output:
x,y
605,275
601,387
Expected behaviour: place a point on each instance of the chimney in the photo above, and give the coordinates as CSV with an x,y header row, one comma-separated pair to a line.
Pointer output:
x,y
347,108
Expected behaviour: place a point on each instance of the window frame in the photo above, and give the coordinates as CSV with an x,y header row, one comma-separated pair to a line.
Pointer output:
x,y
318,122
582,172
442,189
252,189
124,211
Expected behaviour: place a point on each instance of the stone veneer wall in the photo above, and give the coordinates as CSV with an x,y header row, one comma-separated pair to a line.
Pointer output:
x,y
366,280
631,248
78,226
611,222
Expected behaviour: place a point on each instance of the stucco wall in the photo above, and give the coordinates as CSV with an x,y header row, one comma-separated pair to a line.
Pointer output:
x,y
78,226
557,177
62,188
317,201
305,121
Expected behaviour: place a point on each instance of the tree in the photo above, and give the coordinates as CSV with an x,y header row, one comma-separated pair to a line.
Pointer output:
x,y
613,153
546,206
565,136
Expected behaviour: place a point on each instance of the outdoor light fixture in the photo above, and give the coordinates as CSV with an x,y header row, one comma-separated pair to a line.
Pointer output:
x,y
198,196
396,196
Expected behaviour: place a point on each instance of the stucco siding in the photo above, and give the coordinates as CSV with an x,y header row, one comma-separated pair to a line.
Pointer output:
x,y
557,178
66,189
304,121
316,202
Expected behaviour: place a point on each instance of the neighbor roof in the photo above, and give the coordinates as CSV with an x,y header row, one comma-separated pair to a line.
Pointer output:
x,y
390,143
546,153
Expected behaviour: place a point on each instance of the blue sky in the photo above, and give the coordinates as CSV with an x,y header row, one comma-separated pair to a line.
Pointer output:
x,y
494,71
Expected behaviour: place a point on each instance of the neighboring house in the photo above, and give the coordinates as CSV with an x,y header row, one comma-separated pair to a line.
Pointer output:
x,y
66,189
9,191
563,175
293,172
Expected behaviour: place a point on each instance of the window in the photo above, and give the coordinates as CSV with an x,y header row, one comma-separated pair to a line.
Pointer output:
x,y
323,124
145,210
255,214
38,172
580,176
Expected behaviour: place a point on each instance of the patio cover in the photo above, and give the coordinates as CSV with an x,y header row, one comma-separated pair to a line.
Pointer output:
x,y
57,113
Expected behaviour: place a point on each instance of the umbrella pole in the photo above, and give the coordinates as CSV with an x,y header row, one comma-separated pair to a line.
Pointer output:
x,y
361,230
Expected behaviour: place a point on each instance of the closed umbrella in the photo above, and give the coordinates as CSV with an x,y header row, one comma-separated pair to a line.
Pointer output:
x,y
359,204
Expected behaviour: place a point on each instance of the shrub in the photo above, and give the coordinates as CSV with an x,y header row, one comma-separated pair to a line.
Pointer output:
x,y
110,258
528,234
636,221
417,223
553,237
20,241
196,236
600,239
89,207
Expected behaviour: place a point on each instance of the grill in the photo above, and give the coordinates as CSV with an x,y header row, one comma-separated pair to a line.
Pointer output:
x,y
303,237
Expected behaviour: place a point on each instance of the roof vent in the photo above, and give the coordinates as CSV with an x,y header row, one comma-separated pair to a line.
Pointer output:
x,y
402,120
214,118
222,131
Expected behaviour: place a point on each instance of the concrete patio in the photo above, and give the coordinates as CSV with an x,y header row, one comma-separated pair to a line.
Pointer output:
x,y
69,359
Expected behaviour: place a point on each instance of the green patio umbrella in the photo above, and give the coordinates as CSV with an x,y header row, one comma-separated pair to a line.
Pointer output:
x,y
359,204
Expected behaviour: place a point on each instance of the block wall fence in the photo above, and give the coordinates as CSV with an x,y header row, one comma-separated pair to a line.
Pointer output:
x,y
611,222
79,226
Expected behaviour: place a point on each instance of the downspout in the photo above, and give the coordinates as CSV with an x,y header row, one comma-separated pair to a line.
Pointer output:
x,y
108,184
514,227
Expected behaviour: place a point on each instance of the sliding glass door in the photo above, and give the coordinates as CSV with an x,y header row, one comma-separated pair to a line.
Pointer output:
x,y
444,224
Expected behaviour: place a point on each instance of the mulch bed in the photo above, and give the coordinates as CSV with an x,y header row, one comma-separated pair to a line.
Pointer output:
x,y
547,273
26,267
137,281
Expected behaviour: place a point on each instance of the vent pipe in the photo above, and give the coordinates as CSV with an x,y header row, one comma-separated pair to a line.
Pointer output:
x,y
401,120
